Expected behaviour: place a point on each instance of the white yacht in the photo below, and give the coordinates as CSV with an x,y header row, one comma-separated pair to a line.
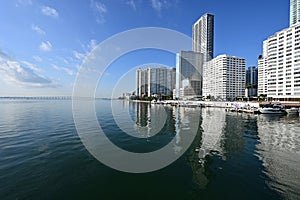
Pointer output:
x,y
292,111
272,109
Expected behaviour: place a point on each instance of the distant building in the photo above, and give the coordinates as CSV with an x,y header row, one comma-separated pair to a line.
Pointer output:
x,y
251,75
262,87
294,12
251,81
159,81
189,74
203,36
141,82
279,67
224,77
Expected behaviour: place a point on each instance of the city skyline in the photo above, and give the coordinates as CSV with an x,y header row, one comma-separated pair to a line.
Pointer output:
x,y
42,44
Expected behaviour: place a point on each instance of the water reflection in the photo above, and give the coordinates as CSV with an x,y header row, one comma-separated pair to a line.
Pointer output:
x,y
213,123
178,122
279,150
230,148
207,142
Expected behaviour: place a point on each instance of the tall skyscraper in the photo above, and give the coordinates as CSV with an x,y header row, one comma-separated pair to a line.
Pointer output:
x,y
203,36
189,74
294,12
251,76
251,81
224,77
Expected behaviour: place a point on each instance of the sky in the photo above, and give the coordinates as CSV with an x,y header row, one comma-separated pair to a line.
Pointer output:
x,y
43,43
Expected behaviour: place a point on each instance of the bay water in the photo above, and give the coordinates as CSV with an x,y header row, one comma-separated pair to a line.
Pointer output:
x,y
233,155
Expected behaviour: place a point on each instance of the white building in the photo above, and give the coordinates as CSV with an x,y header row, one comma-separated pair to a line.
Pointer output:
x,y
280,66
155,81
294,12
224,77
262,87
203,36
141,82
189,74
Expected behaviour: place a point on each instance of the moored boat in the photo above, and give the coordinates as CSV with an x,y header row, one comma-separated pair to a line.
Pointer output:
x,y
272,109
292,111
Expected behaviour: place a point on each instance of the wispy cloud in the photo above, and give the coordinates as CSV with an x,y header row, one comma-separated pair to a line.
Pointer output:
x,y
92,44
38,29
46,46
131,3
23,3
99,10
37,58
79,56
48,11
67,70
159,5
87,48
31,66
19,75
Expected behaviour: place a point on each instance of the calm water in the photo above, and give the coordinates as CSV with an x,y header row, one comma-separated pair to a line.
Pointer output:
x,y
234,156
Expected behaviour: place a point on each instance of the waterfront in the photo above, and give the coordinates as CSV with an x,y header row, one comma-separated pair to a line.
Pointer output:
x,y
233,156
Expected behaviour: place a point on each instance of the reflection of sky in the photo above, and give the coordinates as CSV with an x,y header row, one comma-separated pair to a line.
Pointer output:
x,y
279,150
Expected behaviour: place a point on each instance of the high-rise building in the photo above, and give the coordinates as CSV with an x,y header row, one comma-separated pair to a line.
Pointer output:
x,y
279,67
203,36
251,81
224,77
189,74
251,76
155,81
262,86
294,12
141,82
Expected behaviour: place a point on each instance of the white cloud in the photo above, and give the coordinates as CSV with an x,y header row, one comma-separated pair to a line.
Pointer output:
x,y
67,70
37,58
79,56
99,9
48,11
92,44
23,3
22,76
131,3
31,66
38,29
159,5
87,48
46,46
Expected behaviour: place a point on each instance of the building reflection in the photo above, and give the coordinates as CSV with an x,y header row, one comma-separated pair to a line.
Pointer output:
x,y
187,121
213,123
279,149
207,141
142,114
152,119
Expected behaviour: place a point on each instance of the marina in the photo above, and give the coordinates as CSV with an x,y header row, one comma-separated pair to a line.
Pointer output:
x,y
291,108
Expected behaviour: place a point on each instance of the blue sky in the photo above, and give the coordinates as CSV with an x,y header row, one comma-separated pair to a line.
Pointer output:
x,y
43,43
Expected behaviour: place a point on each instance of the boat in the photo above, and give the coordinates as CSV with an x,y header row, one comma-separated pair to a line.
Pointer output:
x,y
292,111
251,110
272,109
